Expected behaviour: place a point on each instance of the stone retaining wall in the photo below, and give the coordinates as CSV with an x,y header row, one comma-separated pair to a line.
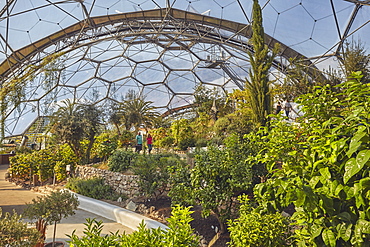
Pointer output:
x,y
123,184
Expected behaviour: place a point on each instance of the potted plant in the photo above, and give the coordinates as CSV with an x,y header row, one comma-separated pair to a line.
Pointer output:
x,y
49,209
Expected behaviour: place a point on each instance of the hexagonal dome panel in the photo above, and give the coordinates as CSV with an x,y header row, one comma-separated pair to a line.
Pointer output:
x,y
97,50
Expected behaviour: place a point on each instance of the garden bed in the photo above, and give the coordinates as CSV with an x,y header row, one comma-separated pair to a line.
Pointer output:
x,y
160,211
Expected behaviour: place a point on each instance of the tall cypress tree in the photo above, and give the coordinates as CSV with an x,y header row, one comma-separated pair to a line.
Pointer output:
x,y
258,85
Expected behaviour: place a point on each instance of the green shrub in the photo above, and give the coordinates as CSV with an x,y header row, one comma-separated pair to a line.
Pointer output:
x,y
121,160
324,168
104,145
39,163
179,233
185,143
165,142
15,232
44,163
94,188
63,156
153,172
257,230
167,155
202,142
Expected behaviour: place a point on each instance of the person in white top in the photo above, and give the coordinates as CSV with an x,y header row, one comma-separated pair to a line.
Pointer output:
x,y
287,107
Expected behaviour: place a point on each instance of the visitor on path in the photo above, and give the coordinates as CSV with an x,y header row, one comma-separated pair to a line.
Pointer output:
x,y
149,142
139,142
278,108
287,107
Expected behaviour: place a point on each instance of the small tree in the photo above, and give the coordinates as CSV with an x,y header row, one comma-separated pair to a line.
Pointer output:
x,y
153,173
51,209
14,232
258,85
355,58
217,177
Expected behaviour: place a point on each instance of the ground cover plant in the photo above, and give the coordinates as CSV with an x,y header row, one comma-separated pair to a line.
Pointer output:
x,y
93,187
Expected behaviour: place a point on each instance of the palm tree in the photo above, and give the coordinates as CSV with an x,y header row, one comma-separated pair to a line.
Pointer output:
x,y
116,117
73,122
138,112
66,124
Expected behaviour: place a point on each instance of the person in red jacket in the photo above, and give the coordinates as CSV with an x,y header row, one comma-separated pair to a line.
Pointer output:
x,y
149,142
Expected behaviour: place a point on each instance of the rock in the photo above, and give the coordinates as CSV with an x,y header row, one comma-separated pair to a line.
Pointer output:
x,y
203,242
285,214
131,206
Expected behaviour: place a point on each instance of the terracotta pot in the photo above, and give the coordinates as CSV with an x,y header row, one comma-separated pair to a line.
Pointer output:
x,y
57,244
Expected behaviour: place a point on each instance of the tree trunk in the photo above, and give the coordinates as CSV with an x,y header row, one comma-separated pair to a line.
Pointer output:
x,y
41,227
55,231
89,147
117,127
222,224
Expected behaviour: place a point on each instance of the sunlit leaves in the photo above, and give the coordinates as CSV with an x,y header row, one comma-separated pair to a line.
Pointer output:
x,y
326,172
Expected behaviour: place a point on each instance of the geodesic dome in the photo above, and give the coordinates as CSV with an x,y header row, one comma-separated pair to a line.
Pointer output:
x,y
97,50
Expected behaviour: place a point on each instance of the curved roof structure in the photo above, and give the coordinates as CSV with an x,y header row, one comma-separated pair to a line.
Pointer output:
x,y
97,50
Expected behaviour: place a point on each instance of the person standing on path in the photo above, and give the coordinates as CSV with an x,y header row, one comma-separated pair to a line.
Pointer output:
x,y
278,108
139,142
287,107
149,142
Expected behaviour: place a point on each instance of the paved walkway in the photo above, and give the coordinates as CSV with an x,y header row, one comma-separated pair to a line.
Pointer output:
x,y
15,197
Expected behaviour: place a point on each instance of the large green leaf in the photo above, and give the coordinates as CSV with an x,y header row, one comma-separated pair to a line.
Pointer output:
x,y
344,216
363,157
345,231
351,169
363,226
301,198
325,173
365,183
316,230
356,140
329,238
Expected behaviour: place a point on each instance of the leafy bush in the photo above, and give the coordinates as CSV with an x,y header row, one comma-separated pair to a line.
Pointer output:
x,y
104,146
165,142
121,160
15,232
43,163
202,142
153,172
324,168
63,156
25,165
94,188
185,143
258,230
20,166
179,233
93,236
217,176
